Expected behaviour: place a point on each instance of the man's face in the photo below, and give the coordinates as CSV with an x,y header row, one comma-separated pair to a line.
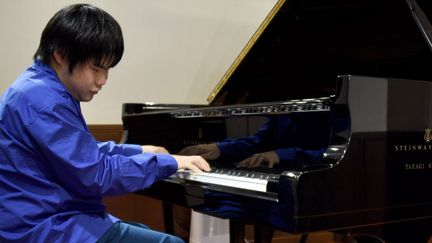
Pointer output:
x,y
85,80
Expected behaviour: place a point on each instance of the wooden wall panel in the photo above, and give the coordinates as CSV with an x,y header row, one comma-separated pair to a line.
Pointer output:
x,y
106,132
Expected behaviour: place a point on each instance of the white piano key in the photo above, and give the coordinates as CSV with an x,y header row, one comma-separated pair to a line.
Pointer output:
x,y
241,182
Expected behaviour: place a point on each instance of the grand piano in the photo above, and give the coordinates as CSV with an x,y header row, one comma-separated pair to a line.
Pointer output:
x,y
351,82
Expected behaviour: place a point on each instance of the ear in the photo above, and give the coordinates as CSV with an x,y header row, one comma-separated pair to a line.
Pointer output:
x,y
58,58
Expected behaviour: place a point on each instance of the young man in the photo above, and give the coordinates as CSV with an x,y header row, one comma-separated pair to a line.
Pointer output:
x,y
53,174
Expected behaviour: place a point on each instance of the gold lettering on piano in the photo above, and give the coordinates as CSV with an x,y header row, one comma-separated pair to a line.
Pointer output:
x,y
428,135
412,147
415,166
416,147
418,166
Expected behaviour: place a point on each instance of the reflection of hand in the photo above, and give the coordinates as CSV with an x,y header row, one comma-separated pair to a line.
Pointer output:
x,y
193,163
207,151
270,158
154,149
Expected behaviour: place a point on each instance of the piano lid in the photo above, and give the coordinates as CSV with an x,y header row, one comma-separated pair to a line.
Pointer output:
x,y
301,47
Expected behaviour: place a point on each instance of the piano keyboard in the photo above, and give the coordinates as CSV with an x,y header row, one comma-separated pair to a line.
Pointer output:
x,y
231,178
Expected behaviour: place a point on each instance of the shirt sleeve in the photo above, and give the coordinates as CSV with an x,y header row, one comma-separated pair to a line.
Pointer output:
x,y
111,148
84,167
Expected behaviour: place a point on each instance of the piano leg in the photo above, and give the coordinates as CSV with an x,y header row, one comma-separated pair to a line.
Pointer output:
x,y
237,231
263,234
168,217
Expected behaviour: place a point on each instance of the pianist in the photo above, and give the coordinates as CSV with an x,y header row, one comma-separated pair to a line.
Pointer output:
x,y
287,141
53,174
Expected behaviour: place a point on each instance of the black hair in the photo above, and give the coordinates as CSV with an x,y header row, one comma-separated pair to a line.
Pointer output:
x,y
82,32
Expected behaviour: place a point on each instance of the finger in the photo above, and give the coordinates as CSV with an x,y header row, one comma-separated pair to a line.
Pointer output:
x,y
247,162
194,168
243,163
256,161
271,164
202,163
251,162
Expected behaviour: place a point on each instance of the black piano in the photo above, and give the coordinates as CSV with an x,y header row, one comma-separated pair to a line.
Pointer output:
x,y
347,84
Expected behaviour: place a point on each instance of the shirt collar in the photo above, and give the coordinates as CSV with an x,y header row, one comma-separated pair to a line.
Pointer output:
x,y
42,67
39,65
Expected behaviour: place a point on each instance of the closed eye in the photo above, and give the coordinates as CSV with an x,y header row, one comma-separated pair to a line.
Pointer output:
x,y
97,67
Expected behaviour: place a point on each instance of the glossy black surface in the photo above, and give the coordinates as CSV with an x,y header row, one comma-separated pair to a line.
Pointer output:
x,y
375,170
374,127
309,43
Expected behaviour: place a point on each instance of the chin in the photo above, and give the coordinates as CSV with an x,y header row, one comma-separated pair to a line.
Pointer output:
x,y
86,99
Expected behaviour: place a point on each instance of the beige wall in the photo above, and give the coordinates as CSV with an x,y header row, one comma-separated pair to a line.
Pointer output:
x,y
175,50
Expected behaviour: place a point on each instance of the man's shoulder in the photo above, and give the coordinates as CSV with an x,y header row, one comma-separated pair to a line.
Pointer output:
x,y
31,99
39,91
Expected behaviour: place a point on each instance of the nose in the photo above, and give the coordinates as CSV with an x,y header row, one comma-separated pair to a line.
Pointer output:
x,y
102,78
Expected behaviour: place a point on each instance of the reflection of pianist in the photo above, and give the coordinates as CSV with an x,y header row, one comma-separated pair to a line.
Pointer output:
x,y
294,140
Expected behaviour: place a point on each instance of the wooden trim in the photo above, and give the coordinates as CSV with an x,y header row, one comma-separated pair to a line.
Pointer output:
x,y
107,132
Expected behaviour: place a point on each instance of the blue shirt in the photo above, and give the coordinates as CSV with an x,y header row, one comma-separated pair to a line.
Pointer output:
x,y
53,174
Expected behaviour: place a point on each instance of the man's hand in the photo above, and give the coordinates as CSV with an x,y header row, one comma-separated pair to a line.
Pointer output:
x,y
270,158
193,163
154,149
207,151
